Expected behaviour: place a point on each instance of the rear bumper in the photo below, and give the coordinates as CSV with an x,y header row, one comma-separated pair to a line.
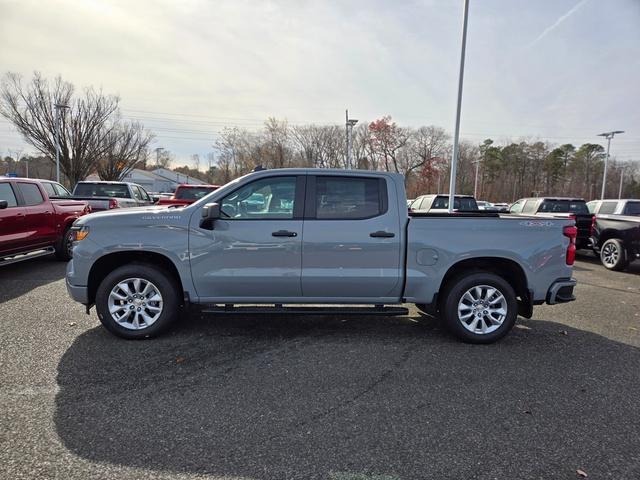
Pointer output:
x,y
561,291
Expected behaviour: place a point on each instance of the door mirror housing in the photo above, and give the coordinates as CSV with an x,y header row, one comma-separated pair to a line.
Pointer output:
x,y
210,213
3,204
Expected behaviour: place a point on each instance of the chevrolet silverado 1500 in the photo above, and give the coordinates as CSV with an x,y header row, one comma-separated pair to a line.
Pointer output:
x,y
289,237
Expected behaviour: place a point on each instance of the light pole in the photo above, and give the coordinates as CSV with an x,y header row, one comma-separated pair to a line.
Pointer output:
x,y
456,134
58,106
475,184
350,122
608,136
621,179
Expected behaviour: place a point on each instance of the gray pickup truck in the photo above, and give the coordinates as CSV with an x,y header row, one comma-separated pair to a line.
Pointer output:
x,y
103,195
275,240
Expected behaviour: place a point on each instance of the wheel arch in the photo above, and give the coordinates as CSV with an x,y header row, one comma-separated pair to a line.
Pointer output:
x,y
109,262
505,268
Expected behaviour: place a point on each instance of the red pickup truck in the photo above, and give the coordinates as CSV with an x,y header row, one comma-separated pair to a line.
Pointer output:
x,y
187,194
36,219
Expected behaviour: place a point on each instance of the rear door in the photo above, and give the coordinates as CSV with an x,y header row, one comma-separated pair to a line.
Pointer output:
x,y
39,216
12,221
351,244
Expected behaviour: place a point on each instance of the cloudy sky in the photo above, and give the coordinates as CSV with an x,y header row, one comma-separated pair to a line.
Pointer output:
x,y
559,70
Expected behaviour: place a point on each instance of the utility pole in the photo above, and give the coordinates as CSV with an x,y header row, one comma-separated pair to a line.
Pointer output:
x,y
349,123
608,136
475,184
58,107
456,134
158,151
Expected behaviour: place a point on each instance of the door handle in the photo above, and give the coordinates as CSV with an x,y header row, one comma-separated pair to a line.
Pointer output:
x,y
382,234
284,233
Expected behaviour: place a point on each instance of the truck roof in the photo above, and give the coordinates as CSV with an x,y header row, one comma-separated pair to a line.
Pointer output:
x,y
108,182
202,185
569,199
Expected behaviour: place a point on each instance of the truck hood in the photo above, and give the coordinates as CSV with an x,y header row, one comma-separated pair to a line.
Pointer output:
x,y
139,215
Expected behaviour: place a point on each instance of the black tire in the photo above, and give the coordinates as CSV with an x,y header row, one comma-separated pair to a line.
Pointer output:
x,y
64,246
453,294
159,279
613,255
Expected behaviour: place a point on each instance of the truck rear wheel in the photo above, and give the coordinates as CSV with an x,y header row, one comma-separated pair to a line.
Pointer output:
x,y
613,255
137,301
479,308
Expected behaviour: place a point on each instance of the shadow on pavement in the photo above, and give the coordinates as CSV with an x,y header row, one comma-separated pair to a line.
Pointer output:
x,y
265,397
22,277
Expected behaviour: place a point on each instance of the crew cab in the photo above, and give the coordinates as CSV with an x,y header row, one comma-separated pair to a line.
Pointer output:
x,y
103,195
33,223
186,194
284,239
559,207
616,231
440,203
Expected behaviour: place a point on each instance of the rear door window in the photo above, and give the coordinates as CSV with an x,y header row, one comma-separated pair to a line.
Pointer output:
x,y
530,206
347,198
607,208
30,193
7,193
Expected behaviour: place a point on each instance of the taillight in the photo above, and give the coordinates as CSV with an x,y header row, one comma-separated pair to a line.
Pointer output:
x,y
572,232
592,231
113,203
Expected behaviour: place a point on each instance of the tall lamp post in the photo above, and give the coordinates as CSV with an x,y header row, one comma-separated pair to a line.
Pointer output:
x,y
475,183
349,124
58,107
456,134
608,136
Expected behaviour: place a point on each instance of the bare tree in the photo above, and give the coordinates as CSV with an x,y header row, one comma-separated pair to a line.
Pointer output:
x,y
126,146
83,128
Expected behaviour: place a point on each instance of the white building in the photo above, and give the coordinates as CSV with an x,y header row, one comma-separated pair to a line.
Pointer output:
x,y
159,180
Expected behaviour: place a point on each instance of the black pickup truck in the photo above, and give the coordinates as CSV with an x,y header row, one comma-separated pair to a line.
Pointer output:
x,y
616,231
559,207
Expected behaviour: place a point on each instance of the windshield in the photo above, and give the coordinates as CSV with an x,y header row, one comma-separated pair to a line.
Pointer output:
x,y
195,193
101,190
564,206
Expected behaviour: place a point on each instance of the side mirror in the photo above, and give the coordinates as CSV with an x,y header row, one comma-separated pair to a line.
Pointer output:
x,y
210,213
3,204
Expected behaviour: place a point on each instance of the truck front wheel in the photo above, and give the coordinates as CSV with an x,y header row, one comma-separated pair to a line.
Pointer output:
x,y
479,308
137,301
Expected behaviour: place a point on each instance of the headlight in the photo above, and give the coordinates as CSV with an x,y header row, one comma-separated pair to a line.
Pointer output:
x,y
80,232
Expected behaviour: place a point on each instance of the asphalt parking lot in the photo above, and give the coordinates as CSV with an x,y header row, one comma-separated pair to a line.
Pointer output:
x,y
316,397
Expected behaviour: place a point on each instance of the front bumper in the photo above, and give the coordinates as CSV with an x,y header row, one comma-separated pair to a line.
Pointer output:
x,y
561,291
78,293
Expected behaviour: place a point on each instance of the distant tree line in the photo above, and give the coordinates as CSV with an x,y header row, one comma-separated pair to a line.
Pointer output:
x,y
505,173
95,139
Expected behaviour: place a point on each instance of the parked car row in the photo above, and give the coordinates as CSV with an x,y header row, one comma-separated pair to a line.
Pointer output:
x,y
36,218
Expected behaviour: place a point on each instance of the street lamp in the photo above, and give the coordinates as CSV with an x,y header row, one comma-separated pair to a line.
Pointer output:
x,y
475,184
58,106
350,122
456,134
608,136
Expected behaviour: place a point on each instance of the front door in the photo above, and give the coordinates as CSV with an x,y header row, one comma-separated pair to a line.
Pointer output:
x,y
254,251
39,216
12,222
351,249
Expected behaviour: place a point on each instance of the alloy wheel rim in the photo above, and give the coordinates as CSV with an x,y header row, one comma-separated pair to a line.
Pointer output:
x,y
135,303
610,254
482,309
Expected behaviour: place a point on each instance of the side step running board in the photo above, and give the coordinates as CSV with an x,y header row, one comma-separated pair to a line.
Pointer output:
x,y
26,256
302,310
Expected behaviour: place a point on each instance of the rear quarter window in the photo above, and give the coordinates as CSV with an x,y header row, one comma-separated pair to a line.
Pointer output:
x,y
607,208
